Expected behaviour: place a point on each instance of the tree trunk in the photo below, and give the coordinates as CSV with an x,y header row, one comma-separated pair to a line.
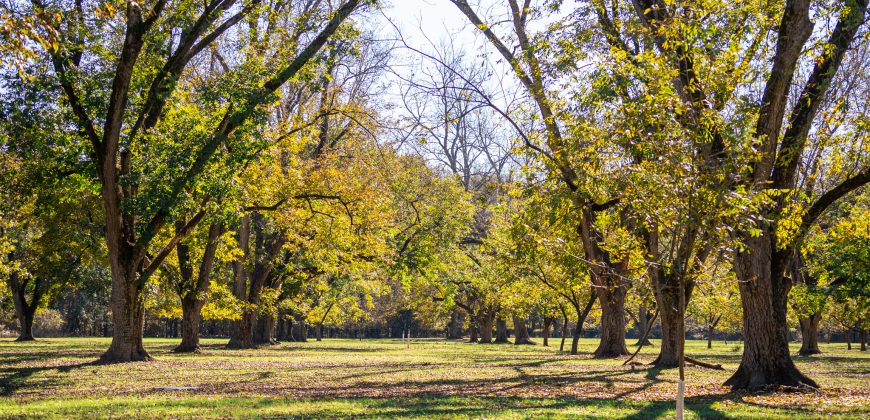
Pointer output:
x,y
473,332
643,316
243,332
264,332
486,321
564,334
319,332
810,334
575,341
501,335
709,336
666,289
454,327
128,322
545,332
299,331
669,351
763,294
191,310
612,301
521,333
25,320
863,336
23,311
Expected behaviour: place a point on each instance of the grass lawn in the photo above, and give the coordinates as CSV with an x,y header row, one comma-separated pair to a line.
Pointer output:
x,y
386,378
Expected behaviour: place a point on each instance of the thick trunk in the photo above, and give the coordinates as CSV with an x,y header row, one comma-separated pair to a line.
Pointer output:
x,y
128,322
283,326
472,333
320,332
191,310
485,322
454,327
243,332
25,320
24,312
548,323
521,333
763,294
669,351
501,335
810,334
299,332
264,332
612,301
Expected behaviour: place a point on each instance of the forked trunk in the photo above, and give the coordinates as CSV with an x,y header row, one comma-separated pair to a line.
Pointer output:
x,y
521,333
501,335
810,334
763,294
612,301
191,315
128,323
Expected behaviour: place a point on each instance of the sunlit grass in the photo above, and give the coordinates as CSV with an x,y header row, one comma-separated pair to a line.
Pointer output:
x,y
387,378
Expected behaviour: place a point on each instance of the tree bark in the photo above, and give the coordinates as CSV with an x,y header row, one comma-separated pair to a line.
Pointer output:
x,y
24,310
190,319
501,335
25,321
643,320
243,332
128,322
863,335
764,291
545,332
486,320
473,329
299,331
521,333
454,327
612,301
810,334
710,336
264,332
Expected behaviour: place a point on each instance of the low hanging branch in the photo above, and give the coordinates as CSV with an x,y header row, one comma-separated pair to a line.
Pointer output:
x,y
703,364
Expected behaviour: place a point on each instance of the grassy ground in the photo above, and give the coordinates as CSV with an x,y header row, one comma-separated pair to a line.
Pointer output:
x,y
385,378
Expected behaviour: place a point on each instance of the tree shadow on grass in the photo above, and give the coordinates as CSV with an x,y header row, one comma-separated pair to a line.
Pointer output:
x,y
13,379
